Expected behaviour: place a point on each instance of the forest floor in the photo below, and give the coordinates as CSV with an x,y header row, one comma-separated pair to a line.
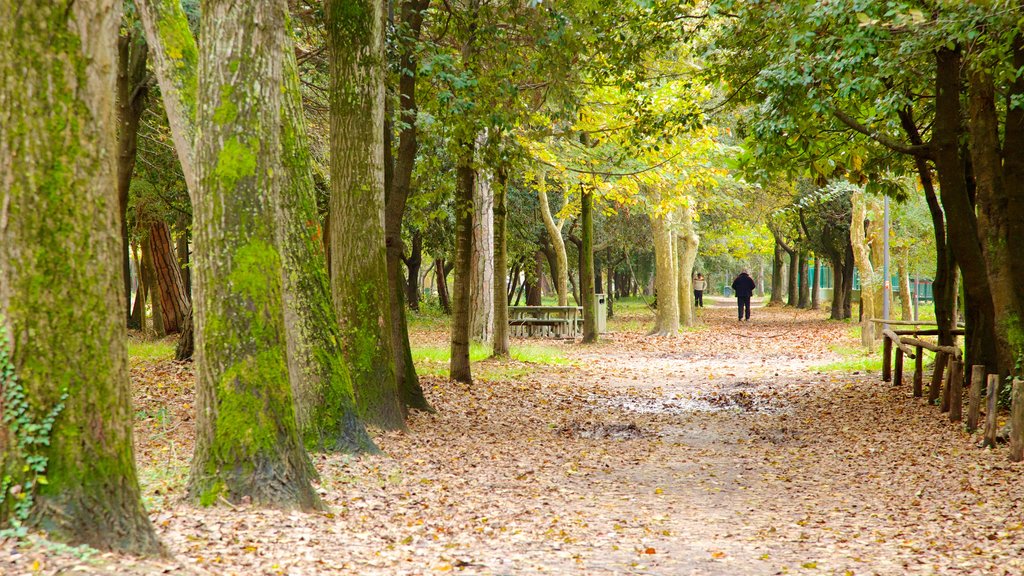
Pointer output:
x,y
734,449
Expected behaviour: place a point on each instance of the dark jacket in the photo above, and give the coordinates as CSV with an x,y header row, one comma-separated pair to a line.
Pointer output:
x,y
743,286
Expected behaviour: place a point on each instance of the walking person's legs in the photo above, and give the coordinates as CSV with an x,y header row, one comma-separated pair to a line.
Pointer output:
x,y
739,304
746,306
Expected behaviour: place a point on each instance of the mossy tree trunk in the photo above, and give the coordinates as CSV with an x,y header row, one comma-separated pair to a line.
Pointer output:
x,y
587,289
501,289
61,292
247,442
359,274
324,398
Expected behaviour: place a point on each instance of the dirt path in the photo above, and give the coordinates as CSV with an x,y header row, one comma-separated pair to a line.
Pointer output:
x,y
722,452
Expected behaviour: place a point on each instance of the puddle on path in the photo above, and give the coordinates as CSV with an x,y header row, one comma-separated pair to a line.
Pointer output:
x,y
739,397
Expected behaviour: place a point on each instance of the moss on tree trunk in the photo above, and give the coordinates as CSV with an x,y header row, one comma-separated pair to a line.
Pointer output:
x,y
247,441
359,281
61,291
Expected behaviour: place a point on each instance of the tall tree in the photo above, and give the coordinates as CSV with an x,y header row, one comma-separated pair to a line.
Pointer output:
x,y
247,442
501,294
411,25
587,290
66,435
359,275
481,288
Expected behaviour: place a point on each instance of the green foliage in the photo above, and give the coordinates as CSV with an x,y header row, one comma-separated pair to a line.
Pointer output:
x,y
31,434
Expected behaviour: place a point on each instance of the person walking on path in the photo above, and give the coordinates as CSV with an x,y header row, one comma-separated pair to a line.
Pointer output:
x,y
699,284
743,286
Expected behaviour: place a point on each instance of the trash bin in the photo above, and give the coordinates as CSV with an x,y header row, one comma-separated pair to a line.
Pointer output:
x,y
726,290
601,305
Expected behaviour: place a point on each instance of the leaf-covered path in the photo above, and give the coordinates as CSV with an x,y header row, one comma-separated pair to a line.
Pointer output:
x,y
724,451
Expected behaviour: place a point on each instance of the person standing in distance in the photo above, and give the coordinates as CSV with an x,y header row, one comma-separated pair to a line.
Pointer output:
x,y
699,284
743,286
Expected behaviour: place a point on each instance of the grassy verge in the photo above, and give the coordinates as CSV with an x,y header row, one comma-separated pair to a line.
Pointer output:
x,y
150,350
432,360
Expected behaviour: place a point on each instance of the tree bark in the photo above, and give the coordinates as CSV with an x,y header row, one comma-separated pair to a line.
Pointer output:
x,y
533,289
561,275
441,279
688,242
359,279
170,289
792,284
587,288
906,298
459,368
413,264
150,281
325,406
777,263
961,218
815,284
868,280
805,289
666,320
501,289
248,445
131,102
62,305
481,292
1001,248
397,193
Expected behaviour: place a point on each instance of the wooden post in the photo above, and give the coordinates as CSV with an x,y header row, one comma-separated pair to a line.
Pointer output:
x,y
956,391
898,376
940,367
919,373
974,396
947,395
990,411
1017,421
886,359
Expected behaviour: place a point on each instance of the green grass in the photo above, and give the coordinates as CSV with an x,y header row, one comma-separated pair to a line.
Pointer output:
x,y
432,360
150,350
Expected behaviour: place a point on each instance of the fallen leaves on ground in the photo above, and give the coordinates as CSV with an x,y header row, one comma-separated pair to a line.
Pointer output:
x,y
723,451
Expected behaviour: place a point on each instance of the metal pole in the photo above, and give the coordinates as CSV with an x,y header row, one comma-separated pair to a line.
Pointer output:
x,y
885,264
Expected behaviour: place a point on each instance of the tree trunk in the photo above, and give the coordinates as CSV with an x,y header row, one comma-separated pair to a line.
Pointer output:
x,y
413,264
459,368
441,279
131,101
666,321
804,287
325,406
533,289
169,287
501,291
792,287
868,280
777,263
688,242
1001,247
815,281
554,229
248,445
481,291
849,265
359,277
961,218
139,306
942,294
149,279
587,288
396,195
906,298
62,333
